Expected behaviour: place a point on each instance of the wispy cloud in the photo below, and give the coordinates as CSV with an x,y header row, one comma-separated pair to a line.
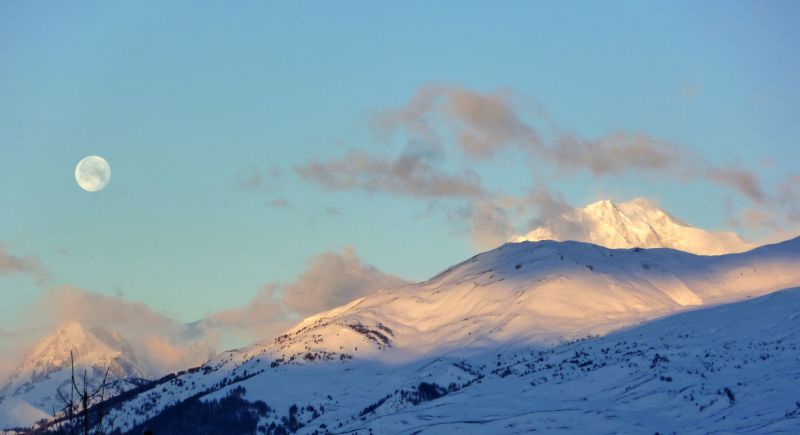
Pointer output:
x,y
745,182
278,203
483,123
30,265
410,174
615,153
778,216
255,179
789,196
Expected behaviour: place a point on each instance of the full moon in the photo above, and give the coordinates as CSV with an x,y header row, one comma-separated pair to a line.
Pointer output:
x,y
92,173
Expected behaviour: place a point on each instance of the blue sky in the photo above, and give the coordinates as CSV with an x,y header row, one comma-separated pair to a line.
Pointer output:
x,y
186,100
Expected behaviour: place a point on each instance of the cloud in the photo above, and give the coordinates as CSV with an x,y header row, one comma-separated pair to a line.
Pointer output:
x,y
488,121
760,218
411,174
254,179
262,317
789,197
615,153
13,345
692,90
776,217
746,182
488,222
412,119
278,203
491,222
550,209
11,264
331,279
483,123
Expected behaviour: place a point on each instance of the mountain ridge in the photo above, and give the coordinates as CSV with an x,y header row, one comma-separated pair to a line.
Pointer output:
x,y
654,282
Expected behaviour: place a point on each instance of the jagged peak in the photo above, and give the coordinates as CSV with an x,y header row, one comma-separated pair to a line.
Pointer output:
x,y
69,337
602,204
636,223
101,348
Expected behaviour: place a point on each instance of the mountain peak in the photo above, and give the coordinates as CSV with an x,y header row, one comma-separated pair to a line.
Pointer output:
x,y
47,369
636,223
602,204
69,337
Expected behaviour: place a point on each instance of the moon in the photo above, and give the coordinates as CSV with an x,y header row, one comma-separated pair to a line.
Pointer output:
x,y
92,173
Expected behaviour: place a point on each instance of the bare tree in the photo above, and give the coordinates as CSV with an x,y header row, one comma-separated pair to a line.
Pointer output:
x,y
80,409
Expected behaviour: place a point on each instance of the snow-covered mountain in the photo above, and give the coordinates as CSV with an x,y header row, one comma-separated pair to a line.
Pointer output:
x,y
538,293
638,223
31,392
516,310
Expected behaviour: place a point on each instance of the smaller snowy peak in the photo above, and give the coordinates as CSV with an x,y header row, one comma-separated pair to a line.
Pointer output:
x,y
637,223
98,348
54,351
34,386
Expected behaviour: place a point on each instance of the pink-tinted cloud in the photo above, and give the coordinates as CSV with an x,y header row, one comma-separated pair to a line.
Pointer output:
x,y
263,317
331,279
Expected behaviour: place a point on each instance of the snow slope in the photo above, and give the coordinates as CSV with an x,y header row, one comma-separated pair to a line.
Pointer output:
x,y
537,293
526,297
31,392
638,223
727,369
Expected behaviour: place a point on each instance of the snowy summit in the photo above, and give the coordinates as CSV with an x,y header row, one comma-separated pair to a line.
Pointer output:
x,y
31,393
638,223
